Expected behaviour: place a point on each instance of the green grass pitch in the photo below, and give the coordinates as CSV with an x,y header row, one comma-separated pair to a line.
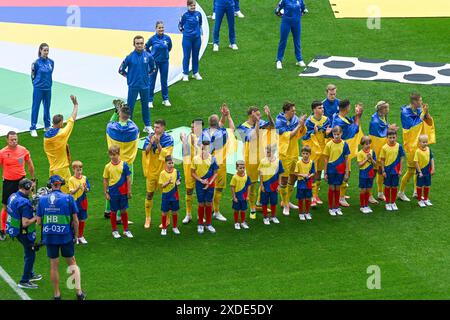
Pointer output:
x,y
325,259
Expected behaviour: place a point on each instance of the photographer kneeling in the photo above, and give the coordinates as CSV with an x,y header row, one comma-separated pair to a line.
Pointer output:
x,y
21,224
57,213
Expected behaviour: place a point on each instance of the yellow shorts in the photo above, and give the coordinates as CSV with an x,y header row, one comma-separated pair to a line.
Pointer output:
x,y
288,166
221,180
189,181
252,172
65,174
152,183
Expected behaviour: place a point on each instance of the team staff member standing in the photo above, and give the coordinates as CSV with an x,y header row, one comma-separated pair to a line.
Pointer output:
x,y
12,158
22,224
223,7
57,214
291,22
191,27
159,47
56,147
137,67
41,77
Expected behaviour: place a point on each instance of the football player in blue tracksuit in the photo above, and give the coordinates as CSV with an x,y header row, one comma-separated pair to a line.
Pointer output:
x,y
159,46
41,76
191,27
237,10
223,7
290,22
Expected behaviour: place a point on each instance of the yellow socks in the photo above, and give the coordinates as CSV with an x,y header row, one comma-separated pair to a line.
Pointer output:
x,y
189,200
216,200
316,187
148,208
283,194
290,188
343,188
409,173
252,197
380,180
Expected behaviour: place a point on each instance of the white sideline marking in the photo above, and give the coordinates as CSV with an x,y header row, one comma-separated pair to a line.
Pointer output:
x,y
13,285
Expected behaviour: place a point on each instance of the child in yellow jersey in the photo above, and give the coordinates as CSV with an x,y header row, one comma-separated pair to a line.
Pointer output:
x,y
391,156
424,162
239,190
78,187
367,160
117,189
305,171
169,180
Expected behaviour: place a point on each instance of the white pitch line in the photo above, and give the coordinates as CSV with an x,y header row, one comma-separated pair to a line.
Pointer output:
x,y
13,285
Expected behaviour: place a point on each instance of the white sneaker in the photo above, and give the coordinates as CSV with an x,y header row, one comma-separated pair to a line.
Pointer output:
x,y
148,129
279,65
372,200
266,221
233,46
332,212
176,231
275,220
293,206
363,210
82,240
302,217
245,225
394,206
211,229
197,76
215,47
301,63
343,202
388,207
185,77
369,210
219,216
116,234
422,204
428,202
187,219
34,133
128,234
237,226
414,195
286,210
163,232
402,196
239,14
213,16
166,103
339,212
200,229
381,196
308,216
150,105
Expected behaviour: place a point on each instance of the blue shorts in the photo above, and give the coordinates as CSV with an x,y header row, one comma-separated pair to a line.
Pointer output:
x,y
118,203
304,194
391,180
67,250
241,205
269,197
82,214
335,179
167,206
365,183
204,195
425,181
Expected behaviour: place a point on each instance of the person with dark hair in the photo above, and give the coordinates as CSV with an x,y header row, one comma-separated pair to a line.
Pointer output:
x,y
169,180
56,147
137,67
305,170
13,158
367,160
41,76
223,7
159,47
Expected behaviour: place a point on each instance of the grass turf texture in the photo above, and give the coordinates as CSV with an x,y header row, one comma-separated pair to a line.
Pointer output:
x,y
324,259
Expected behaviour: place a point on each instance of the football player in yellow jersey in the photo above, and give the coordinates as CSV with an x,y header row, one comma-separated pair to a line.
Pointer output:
x,y
169,180
255,140
305,171
157,146
318,129
239,191
219,138
190,150
56,147
290,129
424,161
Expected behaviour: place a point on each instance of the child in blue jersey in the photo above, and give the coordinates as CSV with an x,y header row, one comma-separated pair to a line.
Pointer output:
x,y
367,161
391,156
169,180
117,189
223,7
305,171
424,162
41,76
159,46
78,187
191,27
239,191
